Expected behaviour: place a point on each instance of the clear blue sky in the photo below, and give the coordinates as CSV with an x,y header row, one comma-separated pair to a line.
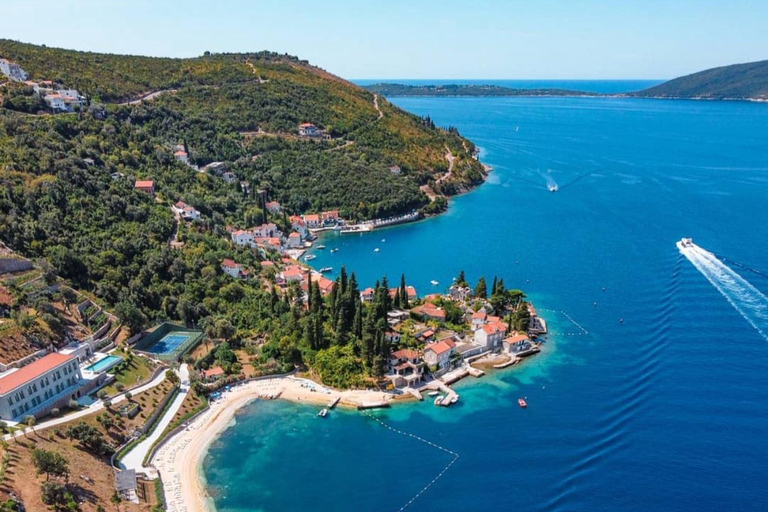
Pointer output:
x,y
515,39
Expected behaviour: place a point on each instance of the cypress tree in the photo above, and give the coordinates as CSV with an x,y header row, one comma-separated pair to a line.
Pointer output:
x,y
481,291
494,286
343,280
357,325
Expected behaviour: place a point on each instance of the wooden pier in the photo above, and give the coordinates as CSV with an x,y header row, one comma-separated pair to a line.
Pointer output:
x,y
333,402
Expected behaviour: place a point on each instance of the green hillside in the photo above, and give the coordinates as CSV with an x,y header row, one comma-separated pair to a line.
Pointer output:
x,y
737,81
68,179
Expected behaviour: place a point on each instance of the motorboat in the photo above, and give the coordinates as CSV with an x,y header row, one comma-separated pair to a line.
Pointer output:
x,y
334,249
522,403
552,188
433,393
376,250
434,283
310,257
323,413
321,247
325,269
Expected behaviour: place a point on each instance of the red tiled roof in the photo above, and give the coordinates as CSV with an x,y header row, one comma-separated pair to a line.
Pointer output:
x,y
312,217
480,315
294,235
180,153
405,353
227,263
267,263
213,372
32,370
144,184
441,346
516,338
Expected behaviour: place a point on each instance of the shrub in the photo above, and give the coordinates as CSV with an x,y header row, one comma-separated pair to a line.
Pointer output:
x,y
119,386
55,411
72,404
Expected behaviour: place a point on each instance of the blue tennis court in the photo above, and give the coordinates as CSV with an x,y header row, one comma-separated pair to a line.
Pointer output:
x,y
168,344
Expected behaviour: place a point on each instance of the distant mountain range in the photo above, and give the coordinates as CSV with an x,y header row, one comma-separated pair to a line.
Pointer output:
x,y
738,81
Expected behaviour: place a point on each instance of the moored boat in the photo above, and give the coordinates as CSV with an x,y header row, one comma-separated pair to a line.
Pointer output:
x,y
325,269
334,249
323,413
310,257
522,403
321,247
434,283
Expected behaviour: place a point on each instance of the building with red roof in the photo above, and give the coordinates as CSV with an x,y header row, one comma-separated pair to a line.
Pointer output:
x,y
147,186
35,389
438,354
429,311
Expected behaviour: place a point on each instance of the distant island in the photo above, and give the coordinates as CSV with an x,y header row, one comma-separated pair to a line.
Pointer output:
x,y
386,89
735,82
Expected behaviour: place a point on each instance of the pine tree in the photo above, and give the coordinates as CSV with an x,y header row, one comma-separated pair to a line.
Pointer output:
x,y
461,280
481,291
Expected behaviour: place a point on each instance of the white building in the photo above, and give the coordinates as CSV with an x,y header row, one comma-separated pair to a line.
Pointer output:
x,y
231,268
181,156
309,130
243,238
55,102
35,389
490,335
298,224
265,231
294,240
438,355
12,70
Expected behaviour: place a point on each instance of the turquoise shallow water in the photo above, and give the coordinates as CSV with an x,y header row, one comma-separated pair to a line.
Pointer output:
x,y
665,411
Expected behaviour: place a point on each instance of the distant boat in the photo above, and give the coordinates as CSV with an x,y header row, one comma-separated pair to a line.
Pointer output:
x,y
552,188
376,250
383,240
522,403
434,283
310,257
334,249
321,247
325,269
323,413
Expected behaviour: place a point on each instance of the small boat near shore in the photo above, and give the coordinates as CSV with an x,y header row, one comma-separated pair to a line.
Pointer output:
x,y
434,283
325,269
321,247
310,257
323,413
433,393
334,249
522,403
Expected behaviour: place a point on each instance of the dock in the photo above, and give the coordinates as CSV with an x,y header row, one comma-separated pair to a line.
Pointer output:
x,y
509,363
333,402
475,372
450,397
416,393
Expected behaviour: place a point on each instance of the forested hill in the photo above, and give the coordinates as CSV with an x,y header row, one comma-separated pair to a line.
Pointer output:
x,y
738,81
387,89
67,180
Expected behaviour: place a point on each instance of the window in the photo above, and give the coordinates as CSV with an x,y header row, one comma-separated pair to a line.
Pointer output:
x,y
14,413
10,401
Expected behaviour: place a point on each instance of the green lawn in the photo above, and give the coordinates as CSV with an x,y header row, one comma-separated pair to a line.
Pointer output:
x,y
137,371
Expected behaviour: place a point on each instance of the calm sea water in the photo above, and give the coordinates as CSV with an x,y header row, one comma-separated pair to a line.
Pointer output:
x,y
667,411
599,86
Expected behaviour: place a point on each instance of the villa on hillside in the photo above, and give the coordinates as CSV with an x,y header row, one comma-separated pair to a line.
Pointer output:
x,y
147,186
309,130
181,156
294,240
37,388
274,207
312,220
410,290
234,269
298,224
185,211
429,311
12,70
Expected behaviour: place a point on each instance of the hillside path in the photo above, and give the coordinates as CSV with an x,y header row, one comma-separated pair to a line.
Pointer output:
x,y
376,106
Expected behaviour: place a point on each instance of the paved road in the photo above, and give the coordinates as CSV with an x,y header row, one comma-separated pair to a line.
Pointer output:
x,y
135,458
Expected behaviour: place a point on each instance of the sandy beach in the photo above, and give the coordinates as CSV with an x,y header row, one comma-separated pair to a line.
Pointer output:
x,y
178,460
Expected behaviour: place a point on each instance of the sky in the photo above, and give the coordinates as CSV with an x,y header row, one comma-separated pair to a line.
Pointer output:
x,y
387,39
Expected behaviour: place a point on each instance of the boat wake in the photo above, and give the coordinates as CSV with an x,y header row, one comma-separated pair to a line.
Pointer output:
x,y
750,302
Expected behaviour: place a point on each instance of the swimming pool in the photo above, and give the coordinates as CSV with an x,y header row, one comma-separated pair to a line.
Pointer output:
x,y
168,343
104,364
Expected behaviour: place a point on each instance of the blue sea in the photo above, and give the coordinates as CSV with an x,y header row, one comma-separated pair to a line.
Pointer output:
x,y
650,392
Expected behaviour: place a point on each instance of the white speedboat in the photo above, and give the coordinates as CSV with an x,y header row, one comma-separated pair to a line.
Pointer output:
x,y
325,269
334,249
376,250
321,247
323,413
552,188
685,243
434,283
433,393
310,257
